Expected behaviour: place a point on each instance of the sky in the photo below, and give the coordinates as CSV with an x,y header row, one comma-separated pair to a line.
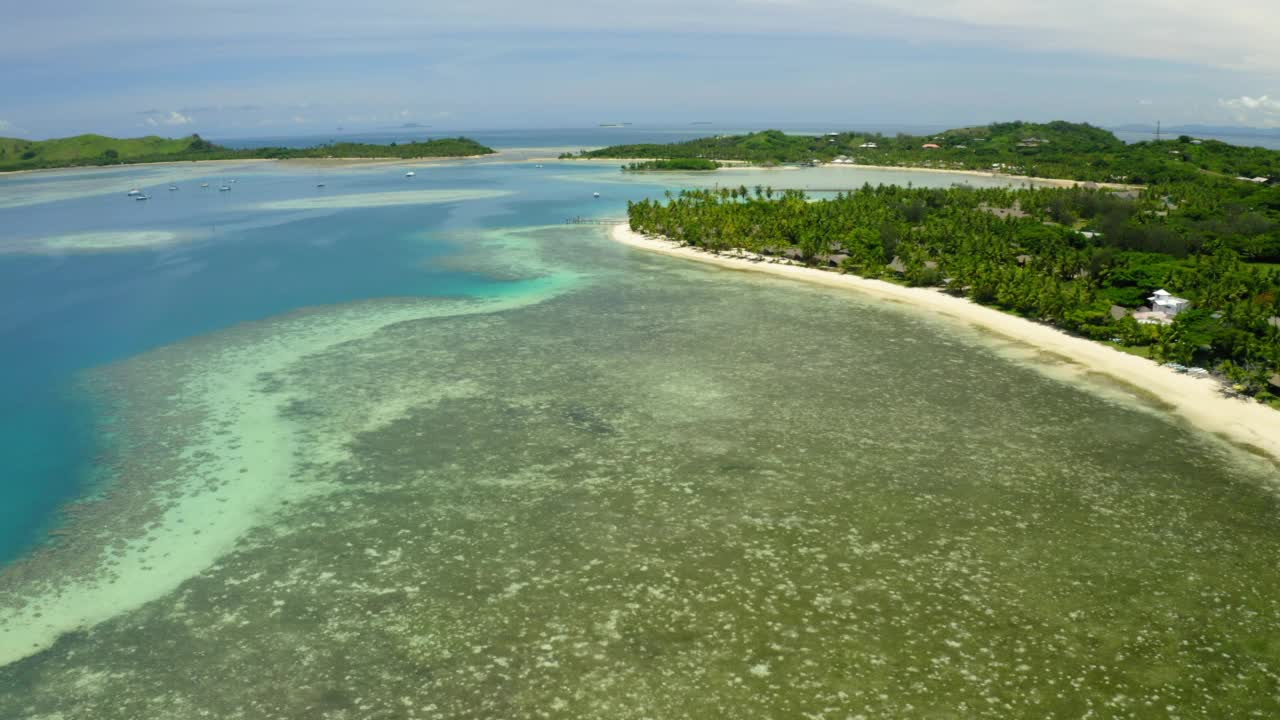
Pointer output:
x,y
236,68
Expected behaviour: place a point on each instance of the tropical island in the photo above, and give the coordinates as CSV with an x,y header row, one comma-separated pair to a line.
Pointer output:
x,y
1072,151
88,150
1185,271
673,165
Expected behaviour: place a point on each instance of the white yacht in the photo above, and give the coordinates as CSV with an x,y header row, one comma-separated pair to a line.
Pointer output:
x,y
410,174
134,192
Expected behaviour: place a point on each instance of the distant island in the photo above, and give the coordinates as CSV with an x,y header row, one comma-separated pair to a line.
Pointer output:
x,y
87,150
1066,150
678,164
1185,271
1235,131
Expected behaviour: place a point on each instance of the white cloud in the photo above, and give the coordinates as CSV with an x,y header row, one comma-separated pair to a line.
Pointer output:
x,y
156,118
1261,110
5,125
1262,102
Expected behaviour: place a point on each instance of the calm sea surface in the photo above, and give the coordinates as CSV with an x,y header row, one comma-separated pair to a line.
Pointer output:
x,y
412,447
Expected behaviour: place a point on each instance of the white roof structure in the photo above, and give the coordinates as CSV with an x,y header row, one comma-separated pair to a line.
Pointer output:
x,y
1165,302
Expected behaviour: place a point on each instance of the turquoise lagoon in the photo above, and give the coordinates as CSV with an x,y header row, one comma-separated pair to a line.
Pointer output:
x,y
333,454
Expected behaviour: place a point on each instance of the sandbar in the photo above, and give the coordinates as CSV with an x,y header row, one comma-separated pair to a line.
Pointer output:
x,y
383,199
95,242
220,454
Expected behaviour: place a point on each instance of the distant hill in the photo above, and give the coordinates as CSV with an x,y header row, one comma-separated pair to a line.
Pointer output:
x,y
81,150
75,150
1057,149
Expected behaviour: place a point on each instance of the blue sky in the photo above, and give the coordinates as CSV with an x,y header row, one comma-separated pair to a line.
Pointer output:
x,y
240,68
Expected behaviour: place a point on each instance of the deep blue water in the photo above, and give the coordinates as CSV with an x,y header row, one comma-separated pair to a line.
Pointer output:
x,y
63,313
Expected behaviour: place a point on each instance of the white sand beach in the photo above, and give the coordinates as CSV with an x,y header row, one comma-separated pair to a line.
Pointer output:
x,y
1041,181
1199,401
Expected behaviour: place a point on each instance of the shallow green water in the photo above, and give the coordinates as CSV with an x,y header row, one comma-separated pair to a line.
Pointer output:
x,y
669,491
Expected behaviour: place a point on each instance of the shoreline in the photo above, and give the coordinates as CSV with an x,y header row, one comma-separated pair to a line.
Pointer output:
x,y
744,165
1052,182
335,162
1200,402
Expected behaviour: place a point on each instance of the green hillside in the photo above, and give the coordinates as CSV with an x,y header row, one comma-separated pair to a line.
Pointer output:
x,y
1057,149
18,154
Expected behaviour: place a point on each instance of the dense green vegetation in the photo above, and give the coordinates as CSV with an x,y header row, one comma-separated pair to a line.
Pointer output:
x,y
1071,257
16,154
678,164
1057,149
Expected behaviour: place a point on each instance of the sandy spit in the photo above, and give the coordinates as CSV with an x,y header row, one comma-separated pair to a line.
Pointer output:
x,y
1043,182
1199,401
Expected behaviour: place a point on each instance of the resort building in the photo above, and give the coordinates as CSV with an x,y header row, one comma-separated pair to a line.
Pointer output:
x,y
1164,306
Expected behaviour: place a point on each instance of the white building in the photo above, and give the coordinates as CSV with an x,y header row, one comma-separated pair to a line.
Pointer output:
x,y
1165,303
868,145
